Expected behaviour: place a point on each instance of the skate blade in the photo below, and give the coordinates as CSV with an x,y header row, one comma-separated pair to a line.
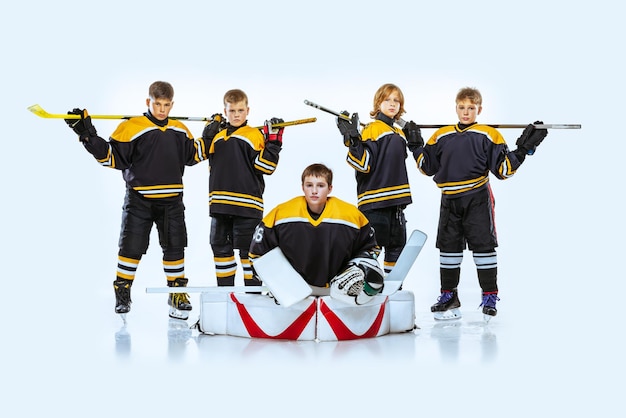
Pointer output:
x,y
178,314
123,317
448,315
487,318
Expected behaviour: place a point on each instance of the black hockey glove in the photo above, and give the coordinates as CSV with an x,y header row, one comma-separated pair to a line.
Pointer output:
x,y
212,128
349,128
273,135
83,127
530,139
413,136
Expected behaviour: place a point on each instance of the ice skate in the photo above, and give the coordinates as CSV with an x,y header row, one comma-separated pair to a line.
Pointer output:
x,y
179,302
489,305
122,297
447,306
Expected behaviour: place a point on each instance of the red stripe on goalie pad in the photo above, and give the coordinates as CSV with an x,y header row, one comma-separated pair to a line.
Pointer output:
x,y
337,321
257,316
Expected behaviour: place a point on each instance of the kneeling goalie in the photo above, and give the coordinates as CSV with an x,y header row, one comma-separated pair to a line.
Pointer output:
x,y
329,242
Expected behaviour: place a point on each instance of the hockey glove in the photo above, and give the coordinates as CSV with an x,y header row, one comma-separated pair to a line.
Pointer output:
x,y
530,139
273,135
413,136
349,128
83,127
212,128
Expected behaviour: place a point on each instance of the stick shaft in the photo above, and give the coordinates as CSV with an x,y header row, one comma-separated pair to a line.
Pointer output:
x,y
207,289
327,110
402,122
39,111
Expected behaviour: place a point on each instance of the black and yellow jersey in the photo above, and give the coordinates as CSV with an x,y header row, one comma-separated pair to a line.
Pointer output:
x,y
460,158
238,160
379,161
319,248
151,154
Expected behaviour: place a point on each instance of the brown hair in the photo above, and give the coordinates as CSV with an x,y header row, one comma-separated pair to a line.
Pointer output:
x,y
382,93
161,90
235,96
318,170
470,93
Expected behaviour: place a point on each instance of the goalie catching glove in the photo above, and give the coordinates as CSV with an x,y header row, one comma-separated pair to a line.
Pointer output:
x,y
359,282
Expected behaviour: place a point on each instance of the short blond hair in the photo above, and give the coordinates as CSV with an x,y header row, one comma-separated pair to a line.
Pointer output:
x,y
470,93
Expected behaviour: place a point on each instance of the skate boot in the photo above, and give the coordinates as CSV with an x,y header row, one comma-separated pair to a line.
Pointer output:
x,y
179,302
122,296
447,306
489,305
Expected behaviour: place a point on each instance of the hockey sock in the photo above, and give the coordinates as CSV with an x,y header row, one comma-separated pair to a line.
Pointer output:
x,y
247,268
174,269
225,270
388,266
127,267
450,269
487,269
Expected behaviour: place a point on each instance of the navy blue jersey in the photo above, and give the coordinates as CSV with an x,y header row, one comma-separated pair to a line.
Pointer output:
x,y
319,248
152,155
379,160
460,158
238,161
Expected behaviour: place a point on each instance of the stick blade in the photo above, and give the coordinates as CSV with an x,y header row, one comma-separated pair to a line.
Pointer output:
x,y
38,110
409,253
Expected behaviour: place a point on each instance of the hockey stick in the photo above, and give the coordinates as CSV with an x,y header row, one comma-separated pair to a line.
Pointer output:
x,y
415,243
401,122
207,289
39,111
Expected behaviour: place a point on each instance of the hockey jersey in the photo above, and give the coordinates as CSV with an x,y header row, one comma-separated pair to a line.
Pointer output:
x,y
379,160
460,158
319,248
238,160
151,154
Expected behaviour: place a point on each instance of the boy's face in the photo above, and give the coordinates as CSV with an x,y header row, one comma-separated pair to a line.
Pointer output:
x,y
237,113
467,111
160,108
316,191
391,105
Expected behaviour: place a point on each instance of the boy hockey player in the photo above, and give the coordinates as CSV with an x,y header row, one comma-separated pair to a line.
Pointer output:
x,y
329,242
378,156
152,152
239,156
460,158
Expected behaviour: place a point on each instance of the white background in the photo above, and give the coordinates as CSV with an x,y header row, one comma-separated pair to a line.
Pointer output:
x,y
556,344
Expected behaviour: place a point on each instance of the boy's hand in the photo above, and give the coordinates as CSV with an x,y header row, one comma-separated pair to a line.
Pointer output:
x,y
349,128
413,136
531,138
83,127
213,127
273,135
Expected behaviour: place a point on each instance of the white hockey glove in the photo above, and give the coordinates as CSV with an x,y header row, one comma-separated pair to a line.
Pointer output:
x,y
359,282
